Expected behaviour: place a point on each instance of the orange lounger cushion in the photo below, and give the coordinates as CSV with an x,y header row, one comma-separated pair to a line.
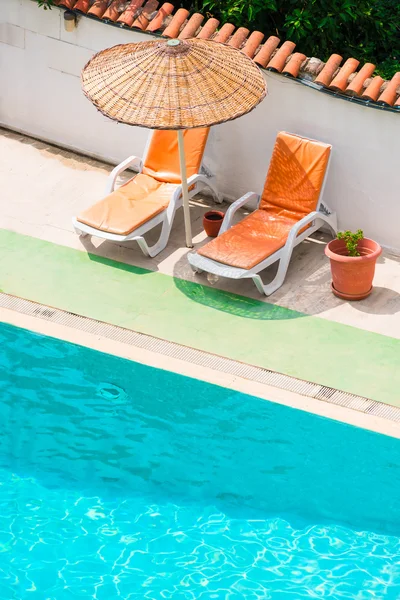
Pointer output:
x,y
133,204
252,240
295,175
162,159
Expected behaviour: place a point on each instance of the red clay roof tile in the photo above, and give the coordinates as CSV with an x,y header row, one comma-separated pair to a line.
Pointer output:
x,y
130,13
326,75
163,12
391,91
209,29
142,21
342,78
178,20
115,9
191,26
292,68
253,43
82,5
279,59
239,37
357,84
98,8
263,56
67,3
224,33
150,16
373,89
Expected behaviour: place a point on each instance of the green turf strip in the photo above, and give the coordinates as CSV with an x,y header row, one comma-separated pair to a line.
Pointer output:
x,y
233,326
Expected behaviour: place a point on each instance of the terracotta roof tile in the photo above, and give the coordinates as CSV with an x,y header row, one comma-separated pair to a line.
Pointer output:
x,y
238,38
157,22
82,5
263,56
152,16
130,13
292,68
98,8
115,9
341,80
357,83
143,20
67,3
280,57
332,65
224,33
391,91
208,30
178,20
191,26
373,89
253,43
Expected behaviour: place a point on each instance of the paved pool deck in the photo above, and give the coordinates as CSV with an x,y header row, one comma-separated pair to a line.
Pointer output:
x,y
302,330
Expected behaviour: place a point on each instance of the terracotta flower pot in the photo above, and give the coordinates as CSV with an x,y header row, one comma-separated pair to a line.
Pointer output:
x,y
352,276
212,222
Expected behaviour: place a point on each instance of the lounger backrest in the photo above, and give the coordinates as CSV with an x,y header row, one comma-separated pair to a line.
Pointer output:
x,y
162,159
295,175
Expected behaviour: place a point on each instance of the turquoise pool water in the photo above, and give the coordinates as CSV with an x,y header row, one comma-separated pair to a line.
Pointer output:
x,y
120,481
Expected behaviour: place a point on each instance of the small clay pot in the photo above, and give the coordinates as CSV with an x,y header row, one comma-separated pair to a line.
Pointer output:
x,y
212,222
352,276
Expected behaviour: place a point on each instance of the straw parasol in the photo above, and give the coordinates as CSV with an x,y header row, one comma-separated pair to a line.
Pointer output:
x,y
174,84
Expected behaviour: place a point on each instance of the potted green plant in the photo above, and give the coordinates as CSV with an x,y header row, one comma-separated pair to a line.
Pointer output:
x,y
353,258
212,222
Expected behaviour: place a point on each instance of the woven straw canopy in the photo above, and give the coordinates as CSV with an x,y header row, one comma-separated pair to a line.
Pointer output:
x,y
173,84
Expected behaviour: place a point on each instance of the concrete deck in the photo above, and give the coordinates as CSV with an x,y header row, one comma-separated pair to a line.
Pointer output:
x,y
43,187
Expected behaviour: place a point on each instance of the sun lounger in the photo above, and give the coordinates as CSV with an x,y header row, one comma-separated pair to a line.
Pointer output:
x,y
289,210
150,198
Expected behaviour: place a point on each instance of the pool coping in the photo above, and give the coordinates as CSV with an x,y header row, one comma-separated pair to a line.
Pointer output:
x,y
273,386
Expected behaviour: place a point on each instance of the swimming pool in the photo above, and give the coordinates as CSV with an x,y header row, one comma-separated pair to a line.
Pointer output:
x,y
118,480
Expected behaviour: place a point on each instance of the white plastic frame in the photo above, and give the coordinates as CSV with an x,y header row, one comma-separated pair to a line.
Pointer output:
x,y
166,217
323,215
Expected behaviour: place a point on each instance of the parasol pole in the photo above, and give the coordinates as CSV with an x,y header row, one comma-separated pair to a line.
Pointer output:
x,y
185,191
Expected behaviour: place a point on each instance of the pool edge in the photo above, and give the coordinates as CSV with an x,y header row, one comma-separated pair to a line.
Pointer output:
x,y
269,385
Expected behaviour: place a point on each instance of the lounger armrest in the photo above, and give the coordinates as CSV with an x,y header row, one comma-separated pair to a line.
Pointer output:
x,y
227,222
203,181
132,161
301,224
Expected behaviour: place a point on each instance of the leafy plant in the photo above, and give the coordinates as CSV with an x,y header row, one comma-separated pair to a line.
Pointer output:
x,y
368,30
239,12
351,240
45,4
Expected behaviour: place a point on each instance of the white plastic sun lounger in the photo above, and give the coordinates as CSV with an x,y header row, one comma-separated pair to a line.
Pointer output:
x,y
289,210
153,196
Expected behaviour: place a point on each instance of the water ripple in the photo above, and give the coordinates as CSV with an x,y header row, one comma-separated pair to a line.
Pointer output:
x,y
57,544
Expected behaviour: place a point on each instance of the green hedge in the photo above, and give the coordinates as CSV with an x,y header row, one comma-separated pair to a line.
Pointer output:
x,y
368,30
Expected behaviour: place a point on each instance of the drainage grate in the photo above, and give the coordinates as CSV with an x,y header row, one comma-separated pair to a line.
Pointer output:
x,y
198,357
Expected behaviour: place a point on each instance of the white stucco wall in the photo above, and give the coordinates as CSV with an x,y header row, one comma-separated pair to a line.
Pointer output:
x,y
40,95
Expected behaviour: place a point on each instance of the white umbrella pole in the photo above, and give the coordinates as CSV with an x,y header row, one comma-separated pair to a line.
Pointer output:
x,y
185,191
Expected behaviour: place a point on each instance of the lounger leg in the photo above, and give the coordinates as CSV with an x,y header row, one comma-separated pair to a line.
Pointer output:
x,y
196,270
81,233
151,251
259,284
216,195
279,278
161,243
